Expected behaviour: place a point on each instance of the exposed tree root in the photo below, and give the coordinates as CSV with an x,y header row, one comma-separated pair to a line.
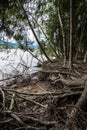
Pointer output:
x,y
59,107
10,114
74,116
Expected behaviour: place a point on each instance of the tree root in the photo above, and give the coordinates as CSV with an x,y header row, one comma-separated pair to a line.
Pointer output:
x,y
43,111
81,105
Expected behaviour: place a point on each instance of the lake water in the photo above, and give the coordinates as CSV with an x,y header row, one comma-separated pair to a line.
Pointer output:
x,y
13,62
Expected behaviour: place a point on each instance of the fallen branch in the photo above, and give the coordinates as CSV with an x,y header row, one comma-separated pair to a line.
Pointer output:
x,y
32,101
77,82
37,94
41,123
3,97
12,102
23,118
61,93
6,121
30,128
8,78
56,72
17,119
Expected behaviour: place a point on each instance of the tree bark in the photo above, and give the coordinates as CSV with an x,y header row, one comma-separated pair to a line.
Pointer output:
x,y
72,122
83,99
71,30
63,35
39,43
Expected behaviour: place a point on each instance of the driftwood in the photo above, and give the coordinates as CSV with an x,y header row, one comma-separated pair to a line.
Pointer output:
x,y
51,75
77,82
69,83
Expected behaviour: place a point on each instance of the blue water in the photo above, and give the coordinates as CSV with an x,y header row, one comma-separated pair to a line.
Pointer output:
x,y
16,45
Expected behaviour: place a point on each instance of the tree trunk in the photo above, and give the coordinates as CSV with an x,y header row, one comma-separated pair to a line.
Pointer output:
x,y
63,35
81,35
72,122
79,45
71,30
40,45
83,99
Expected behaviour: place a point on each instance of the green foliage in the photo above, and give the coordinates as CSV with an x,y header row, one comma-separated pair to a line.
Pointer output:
x,y
43,16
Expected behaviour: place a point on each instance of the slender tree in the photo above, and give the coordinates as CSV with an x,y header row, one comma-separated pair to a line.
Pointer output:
x,y
63,35
71,36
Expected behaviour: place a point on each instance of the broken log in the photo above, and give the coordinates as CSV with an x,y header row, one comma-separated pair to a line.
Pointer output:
x,y
76,82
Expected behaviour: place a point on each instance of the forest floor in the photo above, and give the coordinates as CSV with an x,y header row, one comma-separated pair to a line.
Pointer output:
x,y
47,101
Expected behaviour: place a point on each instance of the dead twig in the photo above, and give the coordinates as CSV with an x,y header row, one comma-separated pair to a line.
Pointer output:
x,y
32,101
30,128
6,121
3,97
17,119
12,102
